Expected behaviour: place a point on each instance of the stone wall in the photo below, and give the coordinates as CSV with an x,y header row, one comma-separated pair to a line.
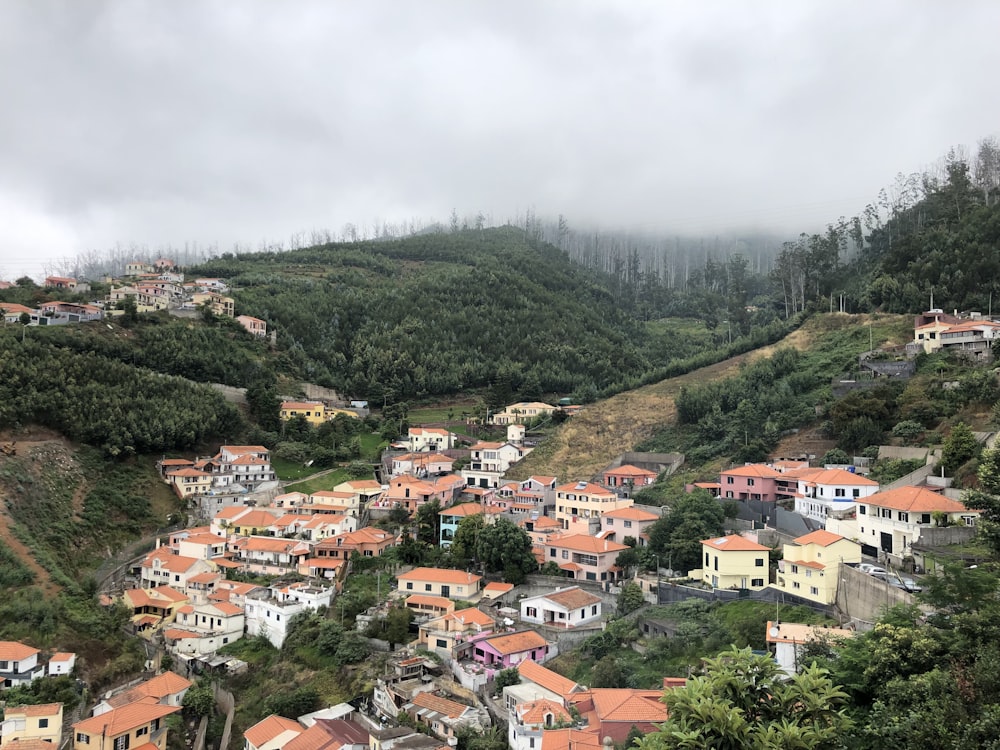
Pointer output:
x,y
864,597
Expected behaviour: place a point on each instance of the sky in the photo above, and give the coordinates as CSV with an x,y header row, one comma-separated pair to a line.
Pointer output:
x,y
155,124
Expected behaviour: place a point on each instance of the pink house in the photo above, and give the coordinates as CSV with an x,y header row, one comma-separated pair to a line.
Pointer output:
x,y
254,326
583,557
510,649
628,522
750,482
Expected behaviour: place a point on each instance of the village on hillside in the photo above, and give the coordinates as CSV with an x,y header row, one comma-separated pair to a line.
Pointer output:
x,y
475,639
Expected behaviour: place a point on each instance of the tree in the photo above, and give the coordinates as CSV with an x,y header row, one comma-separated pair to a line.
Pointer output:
x,y
503,546
24,319
608,673
986,499
464,545
630,598
429,522
959,447
742,701
504,678
908,431
199,700
835,456
627,560
677,536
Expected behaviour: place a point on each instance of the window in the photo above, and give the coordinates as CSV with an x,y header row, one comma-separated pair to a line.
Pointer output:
x,y
628,524
716,562
427,587
809,573
552,553
141,731
121,743
814,591
83,739
409,585
863,510
593,610
441,643
154,725
565,554
729,493
749,483
706,559
925,518
857,492
795,568
531,612
796,585
759,562
969,520
839,492
43,723
756,581
729,480
904,517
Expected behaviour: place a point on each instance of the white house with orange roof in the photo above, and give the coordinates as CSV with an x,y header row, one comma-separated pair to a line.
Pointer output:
x,y
580,505
422,464
628,477
271,733
246,465
527,722
569,607
290,500
266,555
811,564
892,521
62,663
269,611
200,587
829,493
734,562
488,461
233,591
189,481
202,629
971,338
18,664
430,439
367,491
583,557
162,567
450,584
345,502
38,723
203,546
629,522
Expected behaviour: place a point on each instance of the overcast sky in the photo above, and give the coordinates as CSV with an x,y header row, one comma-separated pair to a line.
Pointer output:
x,y
157,123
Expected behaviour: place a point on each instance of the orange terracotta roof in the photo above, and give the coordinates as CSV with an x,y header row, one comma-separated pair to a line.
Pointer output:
x,y
436,703
43,709
570,739
793,632
752,470
573,598
832,476
538,712
179,634
14,651
915,500
542,479
62,656
227,609
415,431
314,738
425,600
256,518
515,643
124,719
546,678
169,561
496,588
626,705
463,509
161,596
734,542
471,616
176,462
322,563
188,472
438,575
157,688
806,564
238,449
822,537
628,470
585,488
268,729
584,543
631,514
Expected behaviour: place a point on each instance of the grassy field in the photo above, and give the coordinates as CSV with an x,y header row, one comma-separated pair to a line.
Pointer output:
x,y
290,470
372,445
325,482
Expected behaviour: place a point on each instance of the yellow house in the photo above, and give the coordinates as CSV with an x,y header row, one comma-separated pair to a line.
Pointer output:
x,y
734,562
133,726
811,565
315,412
521,413
189,481
450,584
219,304
26,723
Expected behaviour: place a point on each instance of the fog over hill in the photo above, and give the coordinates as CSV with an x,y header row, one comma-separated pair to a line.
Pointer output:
x,y
142,124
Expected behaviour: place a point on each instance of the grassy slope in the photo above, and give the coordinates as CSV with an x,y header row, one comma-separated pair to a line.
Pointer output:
x,y
602,431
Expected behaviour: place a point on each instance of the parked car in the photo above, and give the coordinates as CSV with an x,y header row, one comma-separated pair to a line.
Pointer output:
x,y
906,583
872,569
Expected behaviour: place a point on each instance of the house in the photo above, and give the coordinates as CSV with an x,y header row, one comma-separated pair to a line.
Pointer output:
x,y
254,326
628,522
200,587
268,611
424,606
235,592
153,606
366,491
521,413
330,734
422,464
788,640
497,591
443,717
510,649
583,557
430,439
973,339
580,505
826,493
893,521
40,723
450,633
61,663
167,688
627,477
450,584
245,465
409,492
190,481
12,312
734,562
18,664
201,546
137,268
60,282
135,725
453,516
489,461
367,542
566,608
810,567
404,677
314,412
162,567
538,682
528,720
271,733
570,739
267,555
750,482
219,304
612,712
202,629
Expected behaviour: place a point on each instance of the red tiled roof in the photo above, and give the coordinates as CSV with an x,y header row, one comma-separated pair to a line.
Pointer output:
x,y
822,537
734,542
436,703
584,543
438,575
631,514
269,728
515,643
124,719
14,651
916,500
546,678
573,598
752,470
627,705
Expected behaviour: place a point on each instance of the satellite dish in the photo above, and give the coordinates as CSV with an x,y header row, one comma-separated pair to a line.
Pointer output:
x,y
774,631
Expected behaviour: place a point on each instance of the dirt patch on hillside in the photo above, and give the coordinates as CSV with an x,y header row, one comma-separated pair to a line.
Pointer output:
x,y
15,545
602,431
